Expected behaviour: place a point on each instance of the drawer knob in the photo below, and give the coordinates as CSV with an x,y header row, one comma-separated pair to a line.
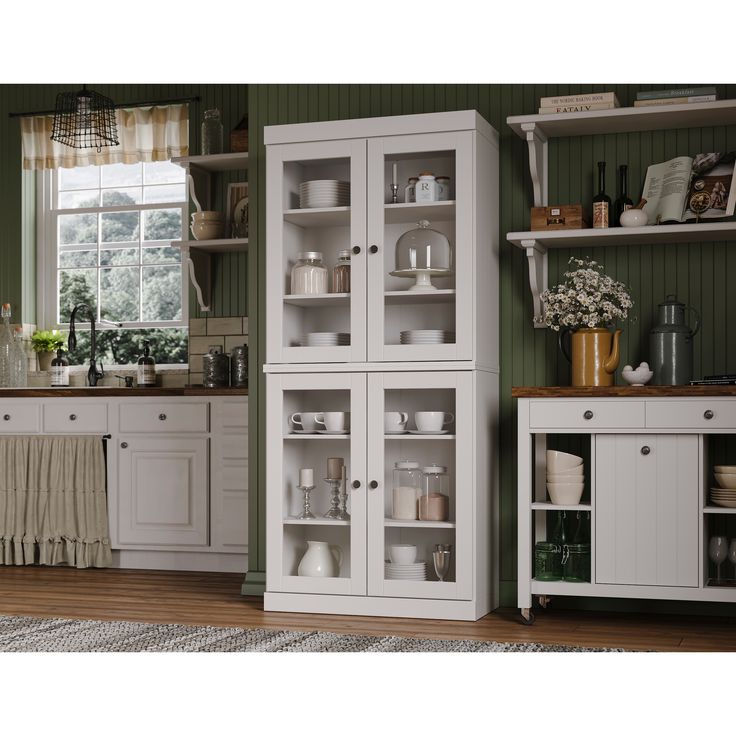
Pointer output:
x,y
356,484
588,414
708,414
373,484
73,417
123,445
356,250
646,450
162,417
6,417
373,249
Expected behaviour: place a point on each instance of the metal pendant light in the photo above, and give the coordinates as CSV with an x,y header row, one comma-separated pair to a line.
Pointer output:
x,y
84,119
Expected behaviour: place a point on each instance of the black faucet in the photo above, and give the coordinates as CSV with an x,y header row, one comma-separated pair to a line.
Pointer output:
x,y
93,375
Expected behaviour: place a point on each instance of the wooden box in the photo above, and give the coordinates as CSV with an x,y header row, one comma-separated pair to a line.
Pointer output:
x,y
558,217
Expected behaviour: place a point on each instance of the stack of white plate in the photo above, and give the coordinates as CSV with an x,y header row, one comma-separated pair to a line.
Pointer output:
x,y
427,337
325,339
415,571
725,494
324,193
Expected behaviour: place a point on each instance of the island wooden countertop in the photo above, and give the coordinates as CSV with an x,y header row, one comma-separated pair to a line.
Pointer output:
x,y
107,391
632,392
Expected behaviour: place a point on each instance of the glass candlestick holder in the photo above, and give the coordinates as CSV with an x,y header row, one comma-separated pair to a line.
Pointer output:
x,y
334,511
344,515
306,511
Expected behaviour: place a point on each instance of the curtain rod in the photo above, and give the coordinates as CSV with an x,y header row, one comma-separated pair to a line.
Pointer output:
x,y
148,103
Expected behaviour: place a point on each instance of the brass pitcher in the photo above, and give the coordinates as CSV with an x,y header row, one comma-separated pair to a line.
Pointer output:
x,y
594,355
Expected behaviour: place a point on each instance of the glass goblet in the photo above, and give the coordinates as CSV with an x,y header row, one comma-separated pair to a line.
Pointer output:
x,y
718,551
732,556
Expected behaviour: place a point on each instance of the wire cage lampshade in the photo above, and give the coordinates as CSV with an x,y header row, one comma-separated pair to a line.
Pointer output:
x,y
84,119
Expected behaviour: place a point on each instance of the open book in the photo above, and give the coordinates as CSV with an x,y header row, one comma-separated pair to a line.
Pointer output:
x,y
687,188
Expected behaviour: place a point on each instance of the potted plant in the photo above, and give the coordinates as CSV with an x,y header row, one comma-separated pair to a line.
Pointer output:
x,y
45,343
584,305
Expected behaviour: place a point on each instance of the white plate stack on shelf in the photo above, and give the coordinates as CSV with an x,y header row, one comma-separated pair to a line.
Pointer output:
x,y
725,493
325,339
427,337
565,479
414,571
324,193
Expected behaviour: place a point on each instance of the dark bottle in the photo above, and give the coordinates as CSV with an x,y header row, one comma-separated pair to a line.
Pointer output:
x,y
622,202
59,369
601,201
146,367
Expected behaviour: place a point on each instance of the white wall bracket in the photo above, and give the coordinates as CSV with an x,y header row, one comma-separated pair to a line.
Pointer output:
x,y
536,255
537,142
200,274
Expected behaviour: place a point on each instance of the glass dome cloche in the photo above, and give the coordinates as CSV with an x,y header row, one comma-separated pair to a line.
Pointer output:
x,y
422,253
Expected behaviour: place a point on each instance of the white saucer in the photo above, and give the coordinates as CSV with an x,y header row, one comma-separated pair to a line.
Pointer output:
x,y
302,431
395,431
333,431
433,431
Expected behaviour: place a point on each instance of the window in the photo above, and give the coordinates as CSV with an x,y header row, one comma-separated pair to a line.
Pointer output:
x,y
108,230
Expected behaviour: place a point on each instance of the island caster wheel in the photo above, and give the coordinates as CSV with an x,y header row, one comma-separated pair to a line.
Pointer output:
x,y
527,617
544,600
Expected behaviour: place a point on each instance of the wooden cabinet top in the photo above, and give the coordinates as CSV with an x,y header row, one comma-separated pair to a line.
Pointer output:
x,y
633,392
72,392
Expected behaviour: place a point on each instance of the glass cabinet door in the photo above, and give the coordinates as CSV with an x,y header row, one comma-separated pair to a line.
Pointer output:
x,y
420,283
420,451
316,229
315,425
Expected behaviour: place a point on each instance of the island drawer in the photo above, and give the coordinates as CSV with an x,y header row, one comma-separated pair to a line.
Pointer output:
x,y
19,418
74,417
164,417
706,414
586,415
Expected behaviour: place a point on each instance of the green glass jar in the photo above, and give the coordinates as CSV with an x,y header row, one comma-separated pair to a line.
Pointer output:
x,y
576,565
547,561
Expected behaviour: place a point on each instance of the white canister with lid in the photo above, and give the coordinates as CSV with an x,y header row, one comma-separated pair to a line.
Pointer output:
x,y
426,189
309,275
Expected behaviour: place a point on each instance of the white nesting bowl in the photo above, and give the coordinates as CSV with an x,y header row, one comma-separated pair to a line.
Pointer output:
x,y
207,215
731,469
403,554
565,494
570,473
568,479
558,461
726,480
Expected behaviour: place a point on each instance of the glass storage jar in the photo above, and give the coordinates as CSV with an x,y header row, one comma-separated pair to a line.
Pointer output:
x,y
211,132
547,561
443,188
576,563
341,273
434,502
308,275
406,489
410,192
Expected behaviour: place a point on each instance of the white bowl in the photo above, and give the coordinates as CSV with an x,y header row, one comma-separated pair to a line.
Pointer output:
x,y
730,469
558,461
207,215
207,229
570,473
565,494
403,554
567,479
726,480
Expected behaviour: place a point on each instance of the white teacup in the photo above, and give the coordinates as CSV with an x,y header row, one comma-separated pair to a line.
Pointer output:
x,y
395,421
432,421
333,421
304,420
403,554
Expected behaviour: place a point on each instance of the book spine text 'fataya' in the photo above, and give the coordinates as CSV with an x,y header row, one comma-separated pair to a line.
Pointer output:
x,y
654,94
586,99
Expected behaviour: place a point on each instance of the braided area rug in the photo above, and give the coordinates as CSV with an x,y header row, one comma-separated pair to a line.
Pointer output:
x,y
26,634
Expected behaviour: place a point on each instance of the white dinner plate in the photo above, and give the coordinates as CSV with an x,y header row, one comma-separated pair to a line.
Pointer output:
x,y
333,431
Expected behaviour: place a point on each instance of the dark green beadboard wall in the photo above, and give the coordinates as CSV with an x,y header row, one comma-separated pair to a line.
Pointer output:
x,y
699,273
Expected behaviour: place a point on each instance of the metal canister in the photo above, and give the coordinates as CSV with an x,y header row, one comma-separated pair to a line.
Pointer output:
x,y
239,366
215,369
671,344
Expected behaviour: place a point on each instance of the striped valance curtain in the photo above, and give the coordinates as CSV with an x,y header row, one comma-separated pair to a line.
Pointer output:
x,y
155,133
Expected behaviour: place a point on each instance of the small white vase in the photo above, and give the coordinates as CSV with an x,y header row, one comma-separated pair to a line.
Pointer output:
x,y
321,560
634,218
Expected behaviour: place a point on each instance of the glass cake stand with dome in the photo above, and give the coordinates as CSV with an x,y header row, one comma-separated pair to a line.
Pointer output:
x,y
422,253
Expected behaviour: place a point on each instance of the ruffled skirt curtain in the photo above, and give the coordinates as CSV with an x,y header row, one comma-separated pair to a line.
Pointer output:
x,y
53,502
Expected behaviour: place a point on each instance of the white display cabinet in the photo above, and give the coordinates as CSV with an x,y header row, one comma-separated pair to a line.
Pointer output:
x,y
375,373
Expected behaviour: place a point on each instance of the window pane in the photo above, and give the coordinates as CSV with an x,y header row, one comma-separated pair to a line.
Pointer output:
x,y
163,172
77,258
162,293
80,177
75,229
119,257
161,255
162,225
119,294
121,347
119,227
121,175
82,198
76,286
165,193
113,197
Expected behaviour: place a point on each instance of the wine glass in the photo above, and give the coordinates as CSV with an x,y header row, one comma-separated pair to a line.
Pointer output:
x,y
718,551
732,556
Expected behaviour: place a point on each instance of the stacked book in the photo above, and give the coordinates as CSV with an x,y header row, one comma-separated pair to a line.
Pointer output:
x,y
578,103
676,96
725,379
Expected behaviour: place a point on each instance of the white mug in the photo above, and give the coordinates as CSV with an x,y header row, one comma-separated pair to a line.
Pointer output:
x,y
333,421
394,421
304,420
432,421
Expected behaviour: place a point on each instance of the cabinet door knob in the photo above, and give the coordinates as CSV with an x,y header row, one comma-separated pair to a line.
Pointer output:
x,y
708,414
6,417
123,445
162,417
588,414
73,417
373,484
356,250
373,249
356,484
646,450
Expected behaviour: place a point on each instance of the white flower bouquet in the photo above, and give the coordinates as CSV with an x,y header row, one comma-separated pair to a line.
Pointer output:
x,y
587,298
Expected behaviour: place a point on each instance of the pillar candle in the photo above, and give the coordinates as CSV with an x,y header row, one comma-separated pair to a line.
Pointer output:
x,y
306,477
334,467
395,173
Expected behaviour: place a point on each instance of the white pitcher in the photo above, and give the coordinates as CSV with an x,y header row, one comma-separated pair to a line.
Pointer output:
x,y
321,560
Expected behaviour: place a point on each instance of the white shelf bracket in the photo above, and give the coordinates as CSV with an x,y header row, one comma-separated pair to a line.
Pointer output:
x,y
202,282
537,259
537,142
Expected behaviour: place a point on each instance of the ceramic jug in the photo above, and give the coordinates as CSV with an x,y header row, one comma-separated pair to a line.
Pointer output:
x,y
671,344
321,560
594,355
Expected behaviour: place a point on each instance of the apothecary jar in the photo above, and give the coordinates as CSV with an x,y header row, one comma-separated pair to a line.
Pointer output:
x,y
434,501
406,489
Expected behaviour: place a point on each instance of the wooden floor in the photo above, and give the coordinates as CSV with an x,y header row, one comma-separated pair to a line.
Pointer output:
x,y
214,599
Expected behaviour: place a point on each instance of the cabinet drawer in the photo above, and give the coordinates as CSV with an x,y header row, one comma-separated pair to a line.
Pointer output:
x,y
158,417
19,418
586,415
713,414
74,418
